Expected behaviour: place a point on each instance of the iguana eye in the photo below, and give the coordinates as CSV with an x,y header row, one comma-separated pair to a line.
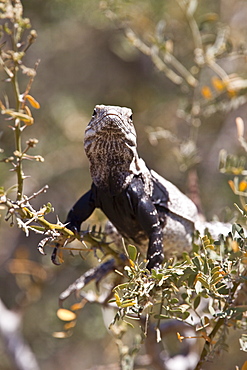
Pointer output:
x,y
94,113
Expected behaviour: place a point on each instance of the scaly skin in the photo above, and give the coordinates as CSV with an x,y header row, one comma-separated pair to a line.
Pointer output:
x,y
142,205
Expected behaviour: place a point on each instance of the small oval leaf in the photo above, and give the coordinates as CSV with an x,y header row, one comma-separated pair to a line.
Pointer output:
x,y
197,302
132,251
65,315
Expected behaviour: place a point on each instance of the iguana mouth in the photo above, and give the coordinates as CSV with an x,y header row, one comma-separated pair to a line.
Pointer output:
x,y
109,121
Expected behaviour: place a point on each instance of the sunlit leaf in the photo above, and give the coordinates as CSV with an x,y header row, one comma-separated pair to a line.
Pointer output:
x,y
210,246
78,306
27,110
70,325
32,101
215,269
65,315
216,278
61,334
240,126
128,303
18,115
206,241
117,298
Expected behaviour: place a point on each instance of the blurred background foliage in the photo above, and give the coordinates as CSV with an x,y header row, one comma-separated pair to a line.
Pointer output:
x,y
86,59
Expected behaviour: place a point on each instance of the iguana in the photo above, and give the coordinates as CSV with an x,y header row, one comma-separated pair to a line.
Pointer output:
x,y
142,205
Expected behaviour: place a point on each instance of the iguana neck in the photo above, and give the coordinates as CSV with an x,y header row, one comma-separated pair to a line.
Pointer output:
x,y
110,144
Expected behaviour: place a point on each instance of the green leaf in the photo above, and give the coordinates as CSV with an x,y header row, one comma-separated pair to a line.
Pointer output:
x,y
197,263
223,290
203,280
185,315
215,269
49,208
162,316
132,252
205,266
191,280
121,286
197,302
217,276
184,296
186,257
210,246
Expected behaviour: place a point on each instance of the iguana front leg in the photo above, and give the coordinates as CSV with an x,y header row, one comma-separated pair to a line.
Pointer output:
x,y
80,212
148,218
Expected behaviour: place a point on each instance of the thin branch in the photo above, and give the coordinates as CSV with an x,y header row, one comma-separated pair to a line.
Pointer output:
x,y
189,78
159,63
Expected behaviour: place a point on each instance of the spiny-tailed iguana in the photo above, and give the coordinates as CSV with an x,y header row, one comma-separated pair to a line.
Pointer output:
x,y
142,205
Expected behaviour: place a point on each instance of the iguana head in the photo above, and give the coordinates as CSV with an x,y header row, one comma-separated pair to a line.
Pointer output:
x,y
110,123
110,144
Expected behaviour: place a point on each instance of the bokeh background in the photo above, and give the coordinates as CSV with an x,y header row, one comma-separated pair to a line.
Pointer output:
x,y
86,59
